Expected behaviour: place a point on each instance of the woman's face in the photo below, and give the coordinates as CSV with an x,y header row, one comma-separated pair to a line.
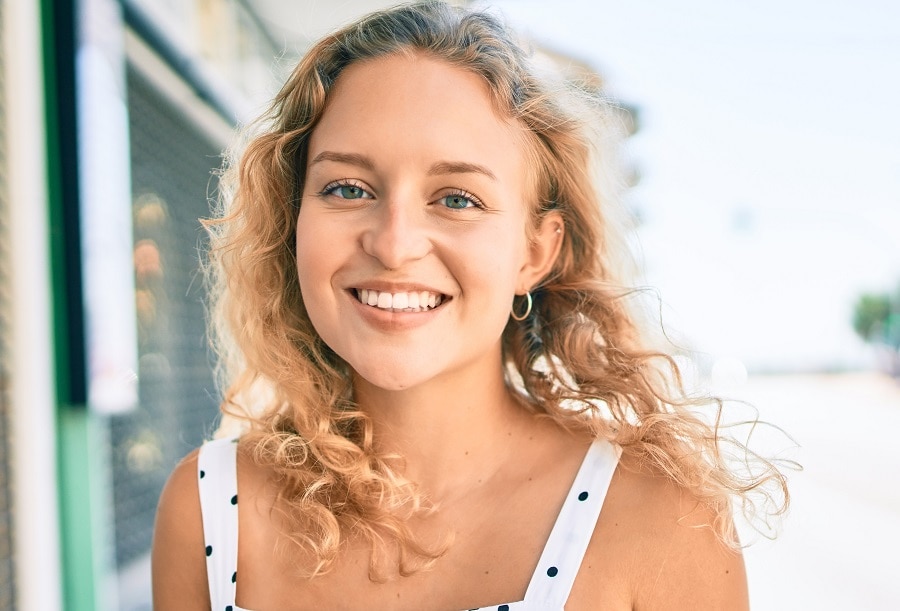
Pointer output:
x,y
411,235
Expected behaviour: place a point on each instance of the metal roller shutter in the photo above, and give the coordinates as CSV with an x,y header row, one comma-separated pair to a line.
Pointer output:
x,y
171,163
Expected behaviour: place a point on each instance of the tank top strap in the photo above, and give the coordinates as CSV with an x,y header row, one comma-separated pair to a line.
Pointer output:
x,y
217,480
565,548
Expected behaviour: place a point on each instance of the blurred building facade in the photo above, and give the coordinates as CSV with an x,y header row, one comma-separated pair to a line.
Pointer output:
x,y
118,110
148,92
7,580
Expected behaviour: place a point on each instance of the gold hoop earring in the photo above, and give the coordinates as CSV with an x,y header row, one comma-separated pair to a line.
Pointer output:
x,y
528,304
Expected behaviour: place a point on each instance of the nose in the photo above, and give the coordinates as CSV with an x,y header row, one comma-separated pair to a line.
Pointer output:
x,y
396,234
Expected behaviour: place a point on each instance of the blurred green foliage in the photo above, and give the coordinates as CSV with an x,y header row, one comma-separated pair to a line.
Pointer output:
x,y
876,318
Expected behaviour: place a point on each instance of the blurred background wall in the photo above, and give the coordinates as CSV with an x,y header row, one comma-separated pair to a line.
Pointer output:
x,y
7,583
775,252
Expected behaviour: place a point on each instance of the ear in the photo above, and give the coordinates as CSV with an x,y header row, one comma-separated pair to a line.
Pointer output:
x,y
543,250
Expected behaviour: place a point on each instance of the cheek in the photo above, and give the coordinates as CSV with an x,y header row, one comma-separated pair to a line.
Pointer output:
x,y
314,256
315,270
304,247
491,262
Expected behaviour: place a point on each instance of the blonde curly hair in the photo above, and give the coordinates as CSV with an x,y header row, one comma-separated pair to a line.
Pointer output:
x,y
581,357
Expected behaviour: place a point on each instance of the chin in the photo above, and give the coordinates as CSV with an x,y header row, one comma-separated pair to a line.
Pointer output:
x,y
390,379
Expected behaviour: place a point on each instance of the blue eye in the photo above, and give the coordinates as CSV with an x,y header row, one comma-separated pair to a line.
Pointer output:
x,y
346,191
350,192
458,201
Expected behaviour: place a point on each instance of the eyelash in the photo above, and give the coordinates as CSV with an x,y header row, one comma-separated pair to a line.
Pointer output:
x,y
331,187
476,203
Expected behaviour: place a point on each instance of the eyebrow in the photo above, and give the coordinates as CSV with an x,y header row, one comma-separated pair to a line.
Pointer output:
x,y
459,167
349,158
437,169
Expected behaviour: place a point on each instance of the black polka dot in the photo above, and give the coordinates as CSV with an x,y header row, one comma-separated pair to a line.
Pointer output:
x,y
552,571
209,550
234,577
234,500
583,496
503,608
202,474
229,608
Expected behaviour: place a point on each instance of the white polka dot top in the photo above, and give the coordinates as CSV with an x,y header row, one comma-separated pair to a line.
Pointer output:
x,y
549,587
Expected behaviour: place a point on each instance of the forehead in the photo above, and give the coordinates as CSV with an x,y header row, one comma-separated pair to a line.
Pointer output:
x,y
419,108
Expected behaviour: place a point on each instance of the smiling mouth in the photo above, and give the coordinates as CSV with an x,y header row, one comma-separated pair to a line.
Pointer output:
x,y
411,301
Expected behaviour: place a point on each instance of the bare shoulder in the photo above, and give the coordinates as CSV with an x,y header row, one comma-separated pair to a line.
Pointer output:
x,y
653,548
178,558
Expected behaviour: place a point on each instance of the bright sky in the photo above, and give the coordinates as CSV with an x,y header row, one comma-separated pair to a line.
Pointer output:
x,y
769,150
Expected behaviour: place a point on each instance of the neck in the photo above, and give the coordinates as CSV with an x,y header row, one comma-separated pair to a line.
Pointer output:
x,y
451,433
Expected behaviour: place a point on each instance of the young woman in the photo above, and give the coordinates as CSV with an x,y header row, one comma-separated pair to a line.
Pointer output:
x,y
446,403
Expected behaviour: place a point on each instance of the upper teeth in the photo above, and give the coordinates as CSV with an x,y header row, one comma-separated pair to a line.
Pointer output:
x,y
411,301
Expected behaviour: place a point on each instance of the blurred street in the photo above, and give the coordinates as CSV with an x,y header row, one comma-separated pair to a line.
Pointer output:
x,y
838,546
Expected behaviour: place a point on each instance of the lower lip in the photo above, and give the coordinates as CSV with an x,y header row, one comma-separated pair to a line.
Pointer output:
x,y
390,320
